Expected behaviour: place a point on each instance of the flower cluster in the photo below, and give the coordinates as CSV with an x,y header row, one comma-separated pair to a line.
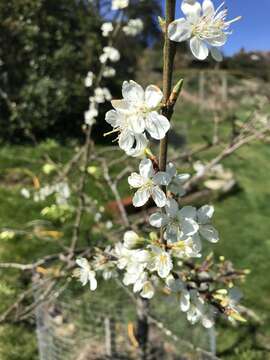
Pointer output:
x,y
150,262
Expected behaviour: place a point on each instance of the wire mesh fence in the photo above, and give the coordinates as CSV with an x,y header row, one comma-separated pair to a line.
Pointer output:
x,y
77,325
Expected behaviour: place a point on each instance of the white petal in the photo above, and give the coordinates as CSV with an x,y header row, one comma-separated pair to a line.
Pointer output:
x,y
132,91
157,125
92,281
148,290
135,180
189,227
218,40
208,8
172,208
185,300
158,196
137,124
140,145
205,214
126,140
179,30
84,276
192,9
164,265
197,242
153,96
207,321
158,220
161,178
82,262
121,105
146,168
209,233
112,117
141,197
188,212
198,48
216,54
171,169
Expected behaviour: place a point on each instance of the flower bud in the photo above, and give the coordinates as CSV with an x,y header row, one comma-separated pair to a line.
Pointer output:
x,y
132,240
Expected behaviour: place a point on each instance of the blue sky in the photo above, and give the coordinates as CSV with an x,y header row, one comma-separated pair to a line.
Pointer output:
x,y
253,31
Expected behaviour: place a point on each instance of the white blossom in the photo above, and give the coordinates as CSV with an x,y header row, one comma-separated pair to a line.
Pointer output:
x,y
101,95
134,27
160,261
106,28
148,184
199,311
132,240
89,79
109,72
204,27
25,193
109,53
178,224
91,114
142,109
119,4
86,274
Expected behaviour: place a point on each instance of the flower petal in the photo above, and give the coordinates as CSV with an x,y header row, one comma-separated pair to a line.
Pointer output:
x,y
153,96
209,233
132,91
158,196
208,8
192,9
157,125
158,220
172,208
218,40
161,178
136,124
135,180
148,290
189,227
146,168
141,197
140,145
188,212
198,48
216,54
205,214
126,140
185,300
121,105
112,117
179,30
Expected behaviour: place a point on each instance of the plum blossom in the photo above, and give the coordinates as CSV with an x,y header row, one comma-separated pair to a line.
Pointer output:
x,y
132,240
109,72
178,224
148,184
199,311
142,108
204,27
106,28
178,286
160,262
136,114
89,79
109,53
101,95
91,114
134,27
86,274
119,4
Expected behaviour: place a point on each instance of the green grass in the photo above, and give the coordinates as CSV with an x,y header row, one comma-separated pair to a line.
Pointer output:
x,y
242,220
